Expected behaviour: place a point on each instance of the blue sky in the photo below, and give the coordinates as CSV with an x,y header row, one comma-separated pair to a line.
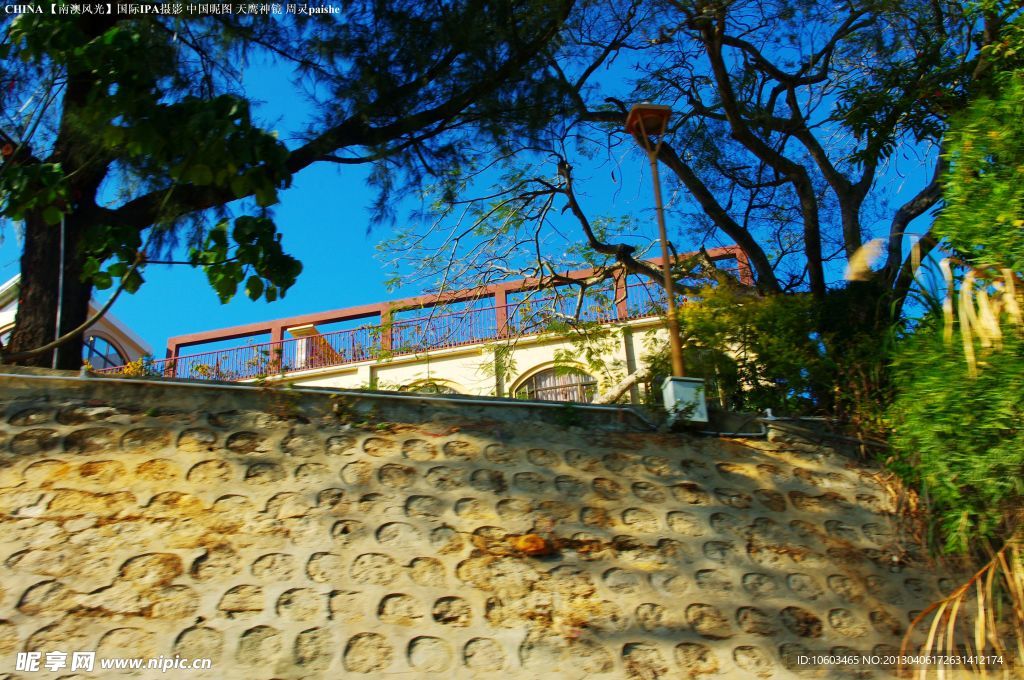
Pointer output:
x,y
324,217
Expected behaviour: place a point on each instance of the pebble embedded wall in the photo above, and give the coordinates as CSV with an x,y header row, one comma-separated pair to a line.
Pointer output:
x,y
293,539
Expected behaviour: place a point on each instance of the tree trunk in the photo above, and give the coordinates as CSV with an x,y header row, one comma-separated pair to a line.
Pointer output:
x,y
36,320
616,392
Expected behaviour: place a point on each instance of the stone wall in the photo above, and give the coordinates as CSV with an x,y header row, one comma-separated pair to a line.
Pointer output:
x,y
286,535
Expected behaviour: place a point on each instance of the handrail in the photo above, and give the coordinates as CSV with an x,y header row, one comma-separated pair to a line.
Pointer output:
x,y
376,341
497,292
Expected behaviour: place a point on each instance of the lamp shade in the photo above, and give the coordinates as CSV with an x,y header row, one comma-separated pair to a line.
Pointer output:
x,y
651,119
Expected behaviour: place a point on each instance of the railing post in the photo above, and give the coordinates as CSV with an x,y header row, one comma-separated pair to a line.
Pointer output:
x,y
171,362
621,303
386,326
501,311
630,351
276,361
746,274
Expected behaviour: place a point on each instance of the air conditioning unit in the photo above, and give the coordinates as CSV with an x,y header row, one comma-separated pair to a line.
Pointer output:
x,y
684,400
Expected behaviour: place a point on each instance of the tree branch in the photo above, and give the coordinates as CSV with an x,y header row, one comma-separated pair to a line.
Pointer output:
x,y
906,273
907,213
354,131
766,280
619,390
712,32
67,337
622,252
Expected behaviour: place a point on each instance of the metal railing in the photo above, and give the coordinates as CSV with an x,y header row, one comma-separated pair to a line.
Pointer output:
x,y
405,337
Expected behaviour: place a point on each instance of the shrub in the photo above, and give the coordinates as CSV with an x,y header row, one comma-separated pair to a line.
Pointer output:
x,y
960,438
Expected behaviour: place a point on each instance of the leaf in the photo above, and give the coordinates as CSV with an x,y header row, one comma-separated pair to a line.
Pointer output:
x,y
225,286
254,287
239,186
52,215
102,280
218,237
265,197
200,175
90,267
133,281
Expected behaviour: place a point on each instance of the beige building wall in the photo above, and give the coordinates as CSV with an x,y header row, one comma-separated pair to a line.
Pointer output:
x,y
473,369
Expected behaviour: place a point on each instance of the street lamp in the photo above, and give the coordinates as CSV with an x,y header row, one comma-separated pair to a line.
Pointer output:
x,y
644,122
648,123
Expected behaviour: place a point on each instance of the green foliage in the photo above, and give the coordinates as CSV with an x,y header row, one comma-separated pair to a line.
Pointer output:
x,y
143,367
960,438
789,353
130,118
760,352
592,345
568,416
258,260
984,188
914,77
858,336
40,187
957,415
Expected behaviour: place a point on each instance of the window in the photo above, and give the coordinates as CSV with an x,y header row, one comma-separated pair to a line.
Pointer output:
x,y
101,353
559,385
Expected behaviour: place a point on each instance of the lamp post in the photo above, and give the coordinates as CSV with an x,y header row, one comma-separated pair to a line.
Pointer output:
x,y
684,397
643,122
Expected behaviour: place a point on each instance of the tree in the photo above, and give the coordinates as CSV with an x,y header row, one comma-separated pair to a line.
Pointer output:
x,y
787,114
790,122
124,135
964,445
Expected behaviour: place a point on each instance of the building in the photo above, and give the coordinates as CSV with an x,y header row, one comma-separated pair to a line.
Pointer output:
x,y
108,343
506,339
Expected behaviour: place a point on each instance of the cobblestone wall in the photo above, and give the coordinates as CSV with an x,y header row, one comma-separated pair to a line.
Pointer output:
x,y
298,537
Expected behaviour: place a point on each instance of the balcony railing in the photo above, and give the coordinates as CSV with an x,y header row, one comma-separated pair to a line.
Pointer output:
x,y
402,337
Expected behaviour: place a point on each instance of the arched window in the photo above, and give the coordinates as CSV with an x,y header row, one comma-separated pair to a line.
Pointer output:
x,y
558,384
101,353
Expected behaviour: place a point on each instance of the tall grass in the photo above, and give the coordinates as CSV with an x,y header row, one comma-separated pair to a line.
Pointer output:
x,y
970,465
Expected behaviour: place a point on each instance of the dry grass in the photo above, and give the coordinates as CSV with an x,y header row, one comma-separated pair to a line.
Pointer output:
x,y
859,266
987,300
994,598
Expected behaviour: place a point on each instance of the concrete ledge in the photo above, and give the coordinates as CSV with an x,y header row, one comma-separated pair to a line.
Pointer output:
x,y
401,407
